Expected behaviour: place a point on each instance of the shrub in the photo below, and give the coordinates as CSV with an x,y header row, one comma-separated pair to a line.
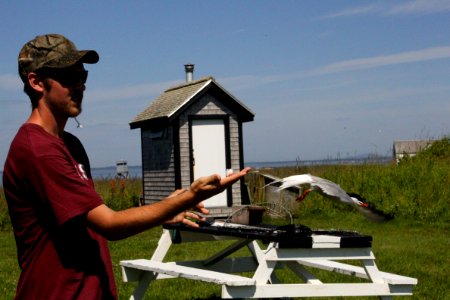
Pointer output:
x,y
438,150
119,193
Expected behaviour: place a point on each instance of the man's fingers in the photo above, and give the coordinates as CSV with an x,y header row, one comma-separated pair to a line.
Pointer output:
x,y
190,223
200,208
192,215
211,185
230,179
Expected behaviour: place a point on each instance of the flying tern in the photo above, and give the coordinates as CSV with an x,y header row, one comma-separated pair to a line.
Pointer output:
x,y
308,183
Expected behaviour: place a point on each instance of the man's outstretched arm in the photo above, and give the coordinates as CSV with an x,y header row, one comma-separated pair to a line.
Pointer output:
x,y
116,225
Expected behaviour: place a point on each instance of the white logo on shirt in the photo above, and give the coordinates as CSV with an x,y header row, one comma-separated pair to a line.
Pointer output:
x,y
81,172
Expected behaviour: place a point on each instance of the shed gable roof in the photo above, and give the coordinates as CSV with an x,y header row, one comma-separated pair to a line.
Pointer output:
x,y
176,98
411,147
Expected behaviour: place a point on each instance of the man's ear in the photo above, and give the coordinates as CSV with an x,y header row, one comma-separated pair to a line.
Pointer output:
x,y
36,82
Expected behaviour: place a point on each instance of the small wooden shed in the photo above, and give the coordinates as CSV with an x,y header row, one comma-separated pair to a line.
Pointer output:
x,y
192,130
409,148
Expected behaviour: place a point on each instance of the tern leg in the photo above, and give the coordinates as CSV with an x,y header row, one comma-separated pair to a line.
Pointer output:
x,y
303,195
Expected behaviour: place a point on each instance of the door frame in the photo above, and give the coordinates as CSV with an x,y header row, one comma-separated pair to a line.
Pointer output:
x,y
226,123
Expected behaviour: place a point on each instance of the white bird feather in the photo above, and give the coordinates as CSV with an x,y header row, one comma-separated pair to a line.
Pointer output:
x,y
308,183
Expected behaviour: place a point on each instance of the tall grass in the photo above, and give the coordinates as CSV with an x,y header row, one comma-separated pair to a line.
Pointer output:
x,y
417,188
120,193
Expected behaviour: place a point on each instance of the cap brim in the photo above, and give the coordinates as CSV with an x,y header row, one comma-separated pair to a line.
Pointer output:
x,y
89,56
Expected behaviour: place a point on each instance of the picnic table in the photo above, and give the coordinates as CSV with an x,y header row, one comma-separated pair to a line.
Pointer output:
x,y
293,246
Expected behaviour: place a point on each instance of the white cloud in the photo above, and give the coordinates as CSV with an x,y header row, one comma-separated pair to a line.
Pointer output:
x,y
385,60
421,7
354,11
408,8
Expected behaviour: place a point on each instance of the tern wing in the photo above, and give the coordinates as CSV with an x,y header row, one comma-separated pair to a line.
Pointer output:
x,y
295,180
330,189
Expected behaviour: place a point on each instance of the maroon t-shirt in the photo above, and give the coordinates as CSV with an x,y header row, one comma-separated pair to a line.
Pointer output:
x,y
49,190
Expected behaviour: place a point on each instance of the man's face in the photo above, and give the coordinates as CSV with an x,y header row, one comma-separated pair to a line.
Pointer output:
x,y
64,90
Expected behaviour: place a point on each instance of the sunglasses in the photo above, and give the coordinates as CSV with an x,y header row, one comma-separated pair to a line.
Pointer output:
x,y
65,77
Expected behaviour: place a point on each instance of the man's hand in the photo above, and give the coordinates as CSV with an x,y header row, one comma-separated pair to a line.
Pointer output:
x,y
206,187
187,216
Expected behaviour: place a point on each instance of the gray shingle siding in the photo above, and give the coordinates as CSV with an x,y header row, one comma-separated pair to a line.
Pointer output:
x,y
158,165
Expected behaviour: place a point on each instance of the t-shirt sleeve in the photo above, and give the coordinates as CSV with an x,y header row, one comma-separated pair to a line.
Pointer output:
x,y
63,185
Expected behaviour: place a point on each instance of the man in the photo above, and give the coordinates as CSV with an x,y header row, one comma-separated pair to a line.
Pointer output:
x,y
60,223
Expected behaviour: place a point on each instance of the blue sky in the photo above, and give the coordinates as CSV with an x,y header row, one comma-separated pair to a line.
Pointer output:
x,y
324,78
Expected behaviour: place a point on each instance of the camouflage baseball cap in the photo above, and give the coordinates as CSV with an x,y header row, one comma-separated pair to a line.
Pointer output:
x,y
51,51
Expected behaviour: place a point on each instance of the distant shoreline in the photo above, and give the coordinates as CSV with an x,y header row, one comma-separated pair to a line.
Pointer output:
x,y
136,171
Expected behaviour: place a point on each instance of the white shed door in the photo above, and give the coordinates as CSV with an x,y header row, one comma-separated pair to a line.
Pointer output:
x,y
208,146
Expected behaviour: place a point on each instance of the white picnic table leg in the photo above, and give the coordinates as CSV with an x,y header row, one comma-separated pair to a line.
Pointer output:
x,y
374,273
264,271
372,270
164,244
161,250
256,251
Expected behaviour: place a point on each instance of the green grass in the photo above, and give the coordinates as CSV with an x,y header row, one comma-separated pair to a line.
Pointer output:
x,y
9,268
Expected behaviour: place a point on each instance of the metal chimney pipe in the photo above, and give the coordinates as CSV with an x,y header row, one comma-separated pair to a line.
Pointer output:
x,y
189,68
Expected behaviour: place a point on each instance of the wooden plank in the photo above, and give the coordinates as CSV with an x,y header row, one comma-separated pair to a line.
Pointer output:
x,y
326,241
303,273
187,272
319,253
330,239
334,266
398,279
312,290
326,245
227,265
356,271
